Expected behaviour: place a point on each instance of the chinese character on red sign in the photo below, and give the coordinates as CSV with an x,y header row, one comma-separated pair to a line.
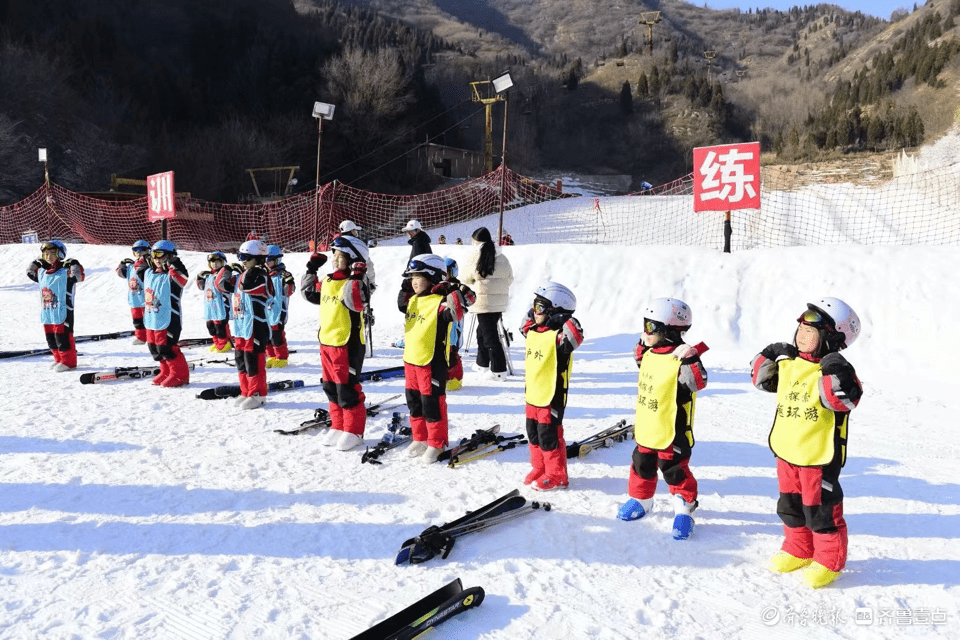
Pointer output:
x,y
726,177
160,198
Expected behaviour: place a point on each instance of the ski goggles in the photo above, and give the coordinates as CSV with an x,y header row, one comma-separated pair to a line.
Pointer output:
x,y
213,257
815,319
541,306
421,267
160,254
652,326
243,257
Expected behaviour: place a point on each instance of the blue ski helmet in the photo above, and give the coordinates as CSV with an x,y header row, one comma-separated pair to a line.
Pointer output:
x,y
166,246
55,244
217,255
453,270
141,246
274,252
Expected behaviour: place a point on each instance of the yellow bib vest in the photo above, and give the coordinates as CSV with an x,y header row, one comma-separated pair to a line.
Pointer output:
x,y
334,316
803,430
541,363
420,329
656,413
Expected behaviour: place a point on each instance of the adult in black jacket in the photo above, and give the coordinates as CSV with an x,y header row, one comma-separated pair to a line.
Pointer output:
x,y
419,240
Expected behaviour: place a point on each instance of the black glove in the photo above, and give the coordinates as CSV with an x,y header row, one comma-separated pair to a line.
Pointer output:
x,y
407,284
203,275
833,363
127,261
316,261
556,320
779,350
443,288
40,263
235,267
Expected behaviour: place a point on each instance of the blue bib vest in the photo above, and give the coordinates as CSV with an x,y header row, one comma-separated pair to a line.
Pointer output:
x,y
53,296
134,289
276,304
158,302
215,304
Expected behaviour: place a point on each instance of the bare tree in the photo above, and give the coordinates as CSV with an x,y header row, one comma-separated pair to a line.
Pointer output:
x,y
371,90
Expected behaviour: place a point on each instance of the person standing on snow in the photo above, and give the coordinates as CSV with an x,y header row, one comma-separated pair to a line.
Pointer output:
x,y
430,305
278,307
250,291
419,241
671,374
163,283
216,305
57,277
816,391
455,363
342,297
552,335
127,269
489,272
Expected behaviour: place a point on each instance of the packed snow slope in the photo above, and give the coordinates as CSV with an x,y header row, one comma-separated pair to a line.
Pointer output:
x,y
130,511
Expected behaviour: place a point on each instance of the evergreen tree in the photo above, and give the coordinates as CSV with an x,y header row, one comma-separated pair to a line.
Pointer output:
x,y
626,99
642,88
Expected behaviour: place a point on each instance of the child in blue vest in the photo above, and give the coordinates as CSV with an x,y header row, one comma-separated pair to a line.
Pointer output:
x,y
163,282
455,368
552,334
216,304
430,305
816,391
127,269
57,277
250,291
342,296
278,307
671,374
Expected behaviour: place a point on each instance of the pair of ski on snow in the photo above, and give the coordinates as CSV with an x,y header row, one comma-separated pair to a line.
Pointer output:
x,y
233,390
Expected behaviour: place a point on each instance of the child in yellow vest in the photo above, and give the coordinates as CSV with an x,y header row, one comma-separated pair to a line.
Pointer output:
x,y
552,334
431,306
816,390
671,374
341,295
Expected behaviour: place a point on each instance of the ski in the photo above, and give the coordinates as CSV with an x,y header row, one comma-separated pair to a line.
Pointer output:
x,y
194,342
136,373
502,443
381,374
479,437
426,613
321,418
27,353
605,438
436,540
397,434
124,373
506,338
368,329
233,391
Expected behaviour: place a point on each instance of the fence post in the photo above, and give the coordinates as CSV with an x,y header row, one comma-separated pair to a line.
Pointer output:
x,y
727,232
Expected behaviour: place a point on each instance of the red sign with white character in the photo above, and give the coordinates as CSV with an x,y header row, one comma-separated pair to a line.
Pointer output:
x,y
160,198
726,177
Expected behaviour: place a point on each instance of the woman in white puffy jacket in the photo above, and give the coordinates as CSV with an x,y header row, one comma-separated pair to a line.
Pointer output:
x,y
488,272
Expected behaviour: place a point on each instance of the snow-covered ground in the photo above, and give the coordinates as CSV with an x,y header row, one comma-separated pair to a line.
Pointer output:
x,y
129,511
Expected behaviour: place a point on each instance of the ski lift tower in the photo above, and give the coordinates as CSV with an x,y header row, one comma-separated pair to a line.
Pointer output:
x,y
650,18
709,55
489,92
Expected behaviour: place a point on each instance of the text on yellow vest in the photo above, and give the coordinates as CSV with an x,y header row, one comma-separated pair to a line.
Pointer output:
x,y
335,323
656,409
541,364
420,329
803,430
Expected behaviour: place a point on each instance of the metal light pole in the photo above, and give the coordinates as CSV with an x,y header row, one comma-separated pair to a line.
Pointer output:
x,y
321,111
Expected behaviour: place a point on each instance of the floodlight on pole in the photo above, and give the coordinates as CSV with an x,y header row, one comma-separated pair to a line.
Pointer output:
x,y
321,111
482,94
42,157
650,18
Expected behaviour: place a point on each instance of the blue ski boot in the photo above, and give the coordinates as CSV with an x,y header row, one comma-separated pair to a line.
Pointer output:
x,y
634,509
683,520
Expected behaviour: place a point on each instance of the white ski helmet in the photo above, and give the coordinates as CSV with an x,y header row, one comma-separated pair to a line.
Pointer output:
x,y
670,312
428,264
413,225
349,225
845,320
351,246
559,296
252,248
